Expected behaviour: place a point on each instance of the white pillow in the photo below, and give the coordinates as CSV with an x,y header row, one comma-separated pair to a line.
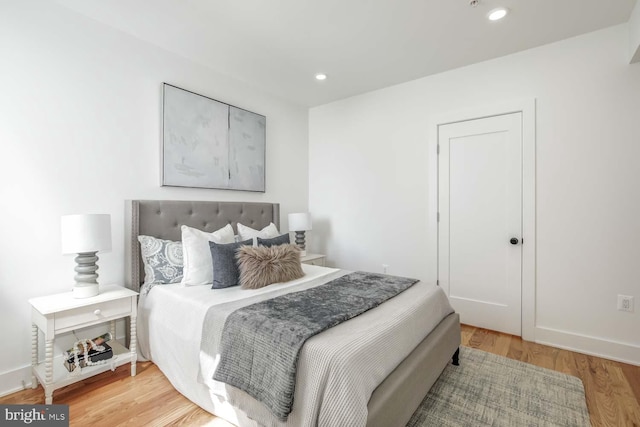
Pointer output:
x,y
198,267
247,233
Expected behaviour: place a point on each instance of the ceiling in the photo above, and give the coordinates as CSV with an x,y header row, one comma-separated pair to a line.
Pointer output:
x,y
362,45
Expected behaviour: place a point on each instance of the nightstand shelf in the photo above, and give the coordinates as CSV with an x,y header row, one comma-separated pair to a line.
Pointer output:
x,y
62,377
61,313
314,259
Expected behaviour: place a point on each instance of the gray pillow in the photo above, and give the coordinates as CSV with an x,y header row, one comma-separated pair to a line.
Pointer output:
x,y
162,260
225,267
274,241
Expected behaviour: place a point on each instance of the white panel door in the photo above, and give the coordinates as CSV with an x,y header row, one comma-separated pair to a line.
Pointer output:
x,y
480,226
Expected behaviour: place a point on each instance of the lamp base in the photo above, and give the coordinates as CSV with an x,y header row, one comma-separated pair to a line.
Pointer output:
x,y
86,275
301,243
85,291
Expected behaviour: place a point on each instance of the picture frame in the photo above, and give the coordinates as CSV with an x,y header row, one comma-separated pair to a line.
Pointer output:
x,y
210,144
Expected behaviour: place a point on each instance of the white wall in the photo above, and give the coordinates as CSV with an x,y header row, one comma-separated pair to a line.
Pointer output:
x,y
369,184
634,34
80,118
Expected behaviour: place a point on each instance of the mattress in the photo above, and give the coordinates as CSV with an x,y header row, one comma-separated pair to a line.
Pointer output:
x,y
337,371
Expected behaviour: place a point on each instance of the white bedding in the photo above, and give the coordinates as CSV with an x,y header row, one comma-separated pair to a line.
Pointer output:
x,y
337,371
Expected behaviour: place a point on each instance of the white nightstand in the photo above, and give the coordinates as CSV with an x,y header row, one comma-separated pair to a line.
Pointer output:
x,y
60,313
314,259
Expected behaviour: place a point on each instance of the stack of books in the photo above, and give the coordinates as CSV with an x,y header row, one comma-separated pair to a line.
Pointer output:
x,y
93,354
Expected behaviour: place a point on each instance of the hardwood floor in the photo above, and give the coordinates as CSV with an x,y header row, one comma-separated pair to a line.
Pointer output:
x,y
148,399
116,398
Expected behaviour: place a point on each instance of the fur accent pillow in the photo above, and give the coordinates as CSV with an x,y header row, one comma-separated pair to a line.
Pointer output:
x,y
263,265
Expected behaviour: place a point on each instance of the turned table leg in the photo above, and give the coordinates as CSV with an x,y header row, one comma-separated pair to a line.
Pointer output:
x,y
48,372
34,355
132,346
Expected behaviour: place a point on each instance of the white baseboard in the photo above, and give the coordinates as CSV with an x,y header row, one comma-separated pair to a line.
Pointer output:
x,y
12,381
594,346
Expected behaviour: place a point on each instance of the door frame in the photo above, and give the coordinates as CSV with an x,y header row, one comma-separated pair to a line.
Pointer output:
x,y
528,109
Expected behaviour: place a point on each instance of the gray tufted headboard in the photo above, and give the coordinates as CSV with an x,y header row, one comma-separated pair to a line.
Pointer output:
x,y
163,218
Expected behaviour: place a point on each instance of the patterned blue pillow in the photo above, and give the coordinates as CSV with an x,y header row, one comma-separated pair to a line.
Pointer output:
x,y
162,260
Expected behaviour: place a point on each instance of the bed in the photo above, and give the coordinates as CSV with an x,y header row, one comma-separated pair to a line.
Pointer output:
x,y
169,336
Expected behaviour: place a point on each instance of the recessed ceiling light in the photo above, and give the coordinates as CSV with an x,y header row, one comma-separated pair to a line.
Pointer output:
x,y
321,76
497,14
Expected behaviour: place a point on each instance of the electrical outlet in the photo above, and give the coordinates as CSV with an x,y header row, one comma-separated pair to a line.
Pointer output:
x,y
625,303
384,268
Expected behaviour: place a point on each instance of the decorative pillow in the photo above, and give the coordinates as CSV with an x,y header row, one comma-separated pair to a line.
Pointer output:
x,y
263,265
268,232
225,268
162,260
198,269
280,240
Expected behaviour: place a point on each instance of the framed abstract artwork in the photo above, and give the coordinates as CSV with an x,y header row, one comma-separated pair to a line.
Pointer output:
x,y
210,144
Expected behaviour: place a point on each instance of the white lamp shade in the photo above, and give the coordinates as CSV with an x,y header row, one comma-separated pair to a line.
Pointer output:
x,y
86,233
299,221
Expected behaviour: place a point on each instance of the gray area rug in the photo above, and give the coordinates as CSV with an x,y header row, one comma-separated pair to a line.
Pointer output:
x,y
490,390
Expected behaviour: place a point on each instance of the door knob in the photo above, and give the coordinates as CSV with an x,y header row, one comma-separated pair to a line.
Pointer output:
x,y
514,241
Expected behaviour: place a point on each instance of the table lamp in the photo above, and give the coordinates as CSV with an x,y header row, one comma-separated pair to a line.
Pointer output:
x,y
300,222
85,235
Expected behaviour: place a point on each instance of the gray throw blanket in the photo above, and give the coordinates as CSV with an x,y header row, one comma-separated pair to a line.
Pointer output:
x,y
261,342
